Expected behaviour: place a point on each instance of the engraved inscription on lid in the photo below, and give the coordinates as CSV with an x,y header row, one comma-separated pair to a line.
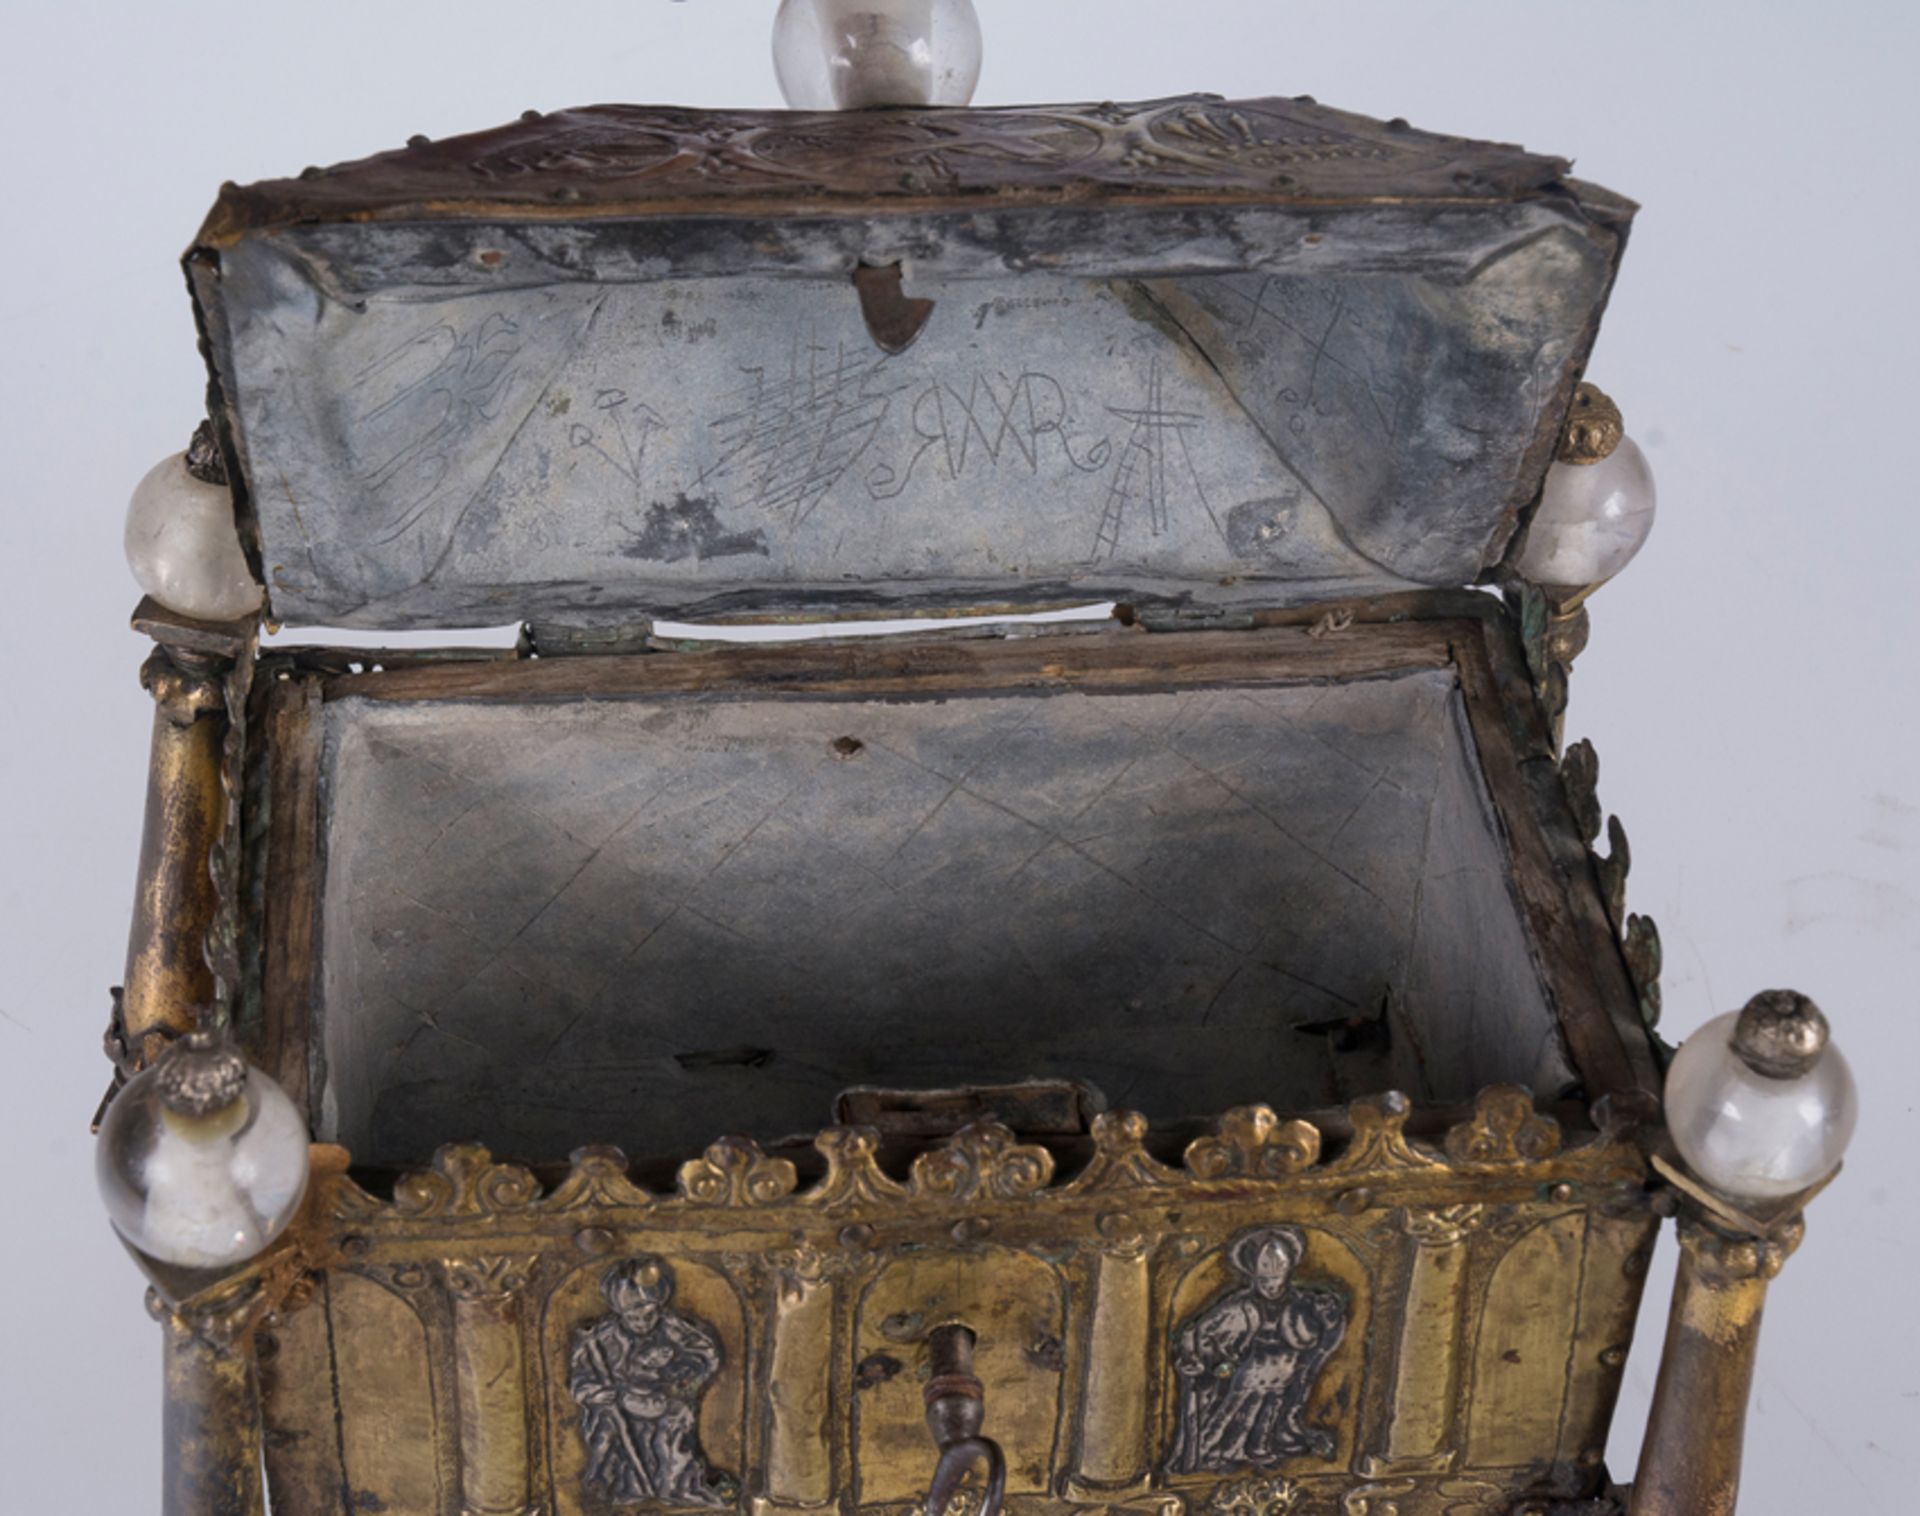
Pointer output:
x,y
616,364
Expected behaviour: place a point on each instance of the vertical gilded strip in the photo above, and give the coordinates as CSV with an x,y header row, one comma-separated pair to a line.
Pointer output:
x,y
1426,1389
1528,1328
1617,1254
298,1411
383,1408
489,1357
1113,1385
800,1391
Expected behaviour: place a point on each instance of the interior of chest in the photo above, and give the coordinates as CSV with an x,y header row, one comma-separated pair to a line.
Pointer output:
x,y
650,900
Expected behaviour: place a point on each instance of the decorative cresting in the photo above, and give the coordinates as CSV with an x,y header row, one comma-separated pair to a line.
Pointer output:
x,y
985,1162
1505,1129
982,1162
465,1181
735,1172
1281,1320
1254,1143
1380,1141
1120,1157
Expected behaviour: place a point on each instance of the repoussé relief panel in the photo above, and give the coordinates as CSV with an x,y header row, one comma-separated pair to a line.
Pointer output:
x,y
1333,1325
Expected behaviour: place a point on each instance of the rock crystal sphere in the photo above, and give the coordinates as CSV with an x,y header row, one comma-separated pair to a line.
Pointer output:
x,y
1748,1134
1593,518
844,55
202,1191
184,548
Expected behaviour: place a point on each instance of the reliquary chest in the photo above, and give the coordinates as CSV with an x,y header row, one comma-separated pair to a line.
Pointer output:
x,y
1193,1059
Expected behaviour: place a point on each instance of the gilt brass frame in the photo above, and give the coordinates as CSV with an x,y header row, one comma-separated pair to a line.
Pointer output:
x,y
483,1251
479,1249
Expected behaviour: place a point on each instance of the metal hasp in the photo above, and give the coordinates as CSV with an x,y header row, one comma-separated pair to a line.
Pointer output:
x,y
956,1410
894,318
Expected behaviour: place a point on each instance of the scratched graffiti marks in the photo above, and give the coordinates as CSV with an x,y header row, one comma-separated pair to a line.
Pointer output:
x,y
1318,331
1019,421
622,435
1155,461
436,388
791,440
688,527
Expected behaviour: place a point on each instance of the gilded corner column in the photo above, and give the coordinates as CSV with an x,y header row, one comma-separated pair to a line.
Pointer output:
x,y
800,1386
210,1462
490,1384
167,976
1426,1388
1113,1384
1690,1460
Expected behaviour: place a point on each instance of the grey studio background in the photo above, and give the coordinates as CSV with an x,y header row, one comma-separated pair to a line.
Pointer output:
x,y
1749,687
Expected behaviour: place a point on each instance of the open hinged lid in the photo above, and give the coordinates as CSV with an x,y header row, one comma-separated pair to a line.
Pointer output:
x,y
622,362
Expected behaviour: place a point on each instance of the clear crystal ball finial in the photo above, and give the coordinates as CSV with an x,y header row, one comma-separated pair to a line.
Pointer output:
x,y
202,1159
1752,1121
183,547
843,55
1593,518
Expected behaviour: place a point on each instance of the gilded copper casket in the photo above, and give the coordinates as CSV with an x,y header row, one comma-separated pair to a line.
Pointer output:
x,y
1218,1009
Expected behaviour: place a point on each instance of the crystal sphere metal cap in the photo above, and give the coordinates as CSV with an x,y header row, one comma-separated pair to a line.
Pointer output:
x,y
202,1159
856,54
1781,1034
1594,427
200,1075
1760,1103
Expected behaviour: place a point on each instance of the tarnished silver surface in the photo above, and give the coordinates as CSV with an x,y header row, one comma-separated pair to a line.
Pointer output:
x,y
200,1074
1248,1360
693,913
1312,420
1781,1034
637,1375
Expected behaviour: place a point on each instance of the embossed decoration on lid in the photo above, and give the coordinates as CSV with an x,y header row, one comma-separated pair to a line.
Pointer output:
x,y
625,160
625,362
